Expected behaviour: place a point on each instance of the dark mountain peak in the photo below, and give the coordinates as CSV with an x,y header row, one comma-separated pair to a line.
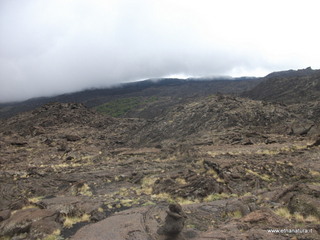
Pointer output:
x,y
292,86
293,73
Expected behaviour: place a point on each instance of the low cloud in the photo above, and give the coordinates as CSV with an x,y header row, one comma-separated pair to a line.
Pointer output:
x,y
58,46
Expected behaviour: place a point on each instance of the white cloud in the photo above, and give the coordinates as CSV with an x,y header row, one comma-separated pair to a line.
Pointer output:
x,y
55,46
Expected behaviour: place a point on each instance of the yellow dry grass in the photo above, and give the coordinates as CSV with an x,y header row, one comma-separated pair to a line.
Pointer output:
x,y
70,221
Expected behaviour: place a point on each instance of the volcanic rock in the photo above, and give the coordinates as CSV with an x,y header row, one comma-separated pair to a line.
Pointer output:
x,y
174,221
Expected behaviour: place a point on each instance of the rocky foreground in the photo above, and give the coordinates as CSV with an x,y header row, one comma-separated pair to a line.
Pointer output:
x,y
241,169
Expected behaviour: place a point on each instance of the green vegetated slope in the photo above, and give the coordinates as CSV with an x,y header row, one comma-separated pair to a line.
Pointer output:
x,y
120,107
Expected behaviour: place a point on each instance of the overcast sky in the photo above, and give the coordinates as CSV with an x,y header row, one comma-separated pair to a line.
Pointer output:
x,y
50,47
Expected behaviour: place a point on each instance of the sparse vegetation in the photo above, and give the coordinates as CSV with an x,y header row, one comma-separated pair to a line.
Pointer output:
x,y
70,221
35,199
315,173
119,107
235,214
217,196
263,177
147,184
5,238
170,199
283,212
54,236
181,181
148,203
298,217
215,175
83,189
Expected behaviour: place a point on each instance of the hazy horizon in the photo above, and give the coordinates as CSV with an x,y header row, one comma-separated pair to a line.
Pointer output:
x,y
61,46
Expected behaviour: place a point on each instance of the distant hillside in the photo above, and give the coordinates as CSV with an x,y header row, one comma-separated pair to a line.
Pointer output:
x,y
154,97
292,73
288,87
218,114
167,92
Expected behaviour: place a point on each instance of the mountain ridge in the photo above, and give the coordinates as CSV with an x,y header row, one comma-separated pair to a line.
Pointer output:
x,y
288,87
172,87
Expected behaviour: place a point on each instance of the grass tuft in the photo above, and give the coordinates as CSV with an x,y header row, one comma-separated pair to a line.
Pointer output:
x,y
263,177
216,196
298,217
35,199
54,236
235,214
85,190
283,212
70,221
181,181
